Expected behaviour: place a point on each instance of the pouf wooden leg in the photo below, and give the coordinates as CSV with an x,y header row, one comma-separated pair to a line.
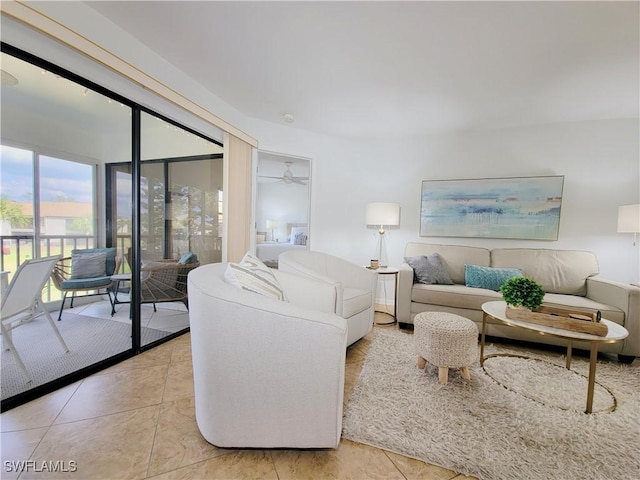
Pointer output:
x,y
443,374
464,371
421,362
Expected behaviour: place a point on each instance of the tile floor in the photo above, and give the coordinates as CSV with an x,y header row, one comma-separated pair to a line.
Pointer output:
x,y
136,420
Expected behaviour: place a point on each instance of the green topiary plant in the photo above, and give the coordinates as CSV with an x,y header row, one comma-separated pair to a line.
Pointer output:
x,y
522,291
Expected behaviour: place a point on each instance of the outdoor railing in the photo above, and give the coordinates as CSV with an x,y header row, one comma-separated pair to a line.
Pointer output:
x,y
16,249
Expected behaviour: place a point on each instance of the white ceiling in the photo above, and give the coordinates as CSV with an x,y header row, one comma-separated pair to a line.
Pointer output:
x,y
384,69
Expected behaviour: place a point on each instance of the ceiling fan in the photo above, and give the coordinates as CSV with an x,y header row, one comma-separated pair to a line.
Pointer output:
x,y
288,177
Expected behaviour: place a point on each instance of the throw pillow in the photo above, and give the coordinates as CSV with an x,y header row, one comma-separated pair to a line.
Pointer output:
x,y
429,270
490,278
300,239
253,275
188,258
88,265
295,231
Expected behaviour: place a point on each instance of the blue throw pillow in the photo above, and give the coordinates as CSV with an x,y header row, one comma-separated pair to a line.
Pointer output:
x,y
488,277
187,258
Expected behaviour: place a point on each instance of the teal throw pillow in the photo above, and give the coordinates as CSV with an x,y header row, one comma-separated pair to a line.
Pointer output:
x,y
490,278
187,258
429,270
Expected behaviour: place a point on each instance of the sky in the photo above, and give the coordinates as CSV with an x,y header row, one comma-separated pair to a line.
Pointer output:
x,y
58,178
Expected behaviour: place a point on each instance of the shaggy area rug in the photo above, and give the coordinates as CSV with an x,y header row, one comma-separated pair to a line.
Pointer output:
x,y
519,419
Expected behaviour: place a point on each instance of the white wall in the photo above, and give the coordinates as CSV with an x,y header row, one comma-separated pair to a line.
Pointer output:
x,y
599,159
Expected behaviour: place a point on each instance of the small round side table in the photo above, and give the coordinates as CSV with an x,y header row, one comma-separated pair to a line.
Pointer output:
x,y
389,271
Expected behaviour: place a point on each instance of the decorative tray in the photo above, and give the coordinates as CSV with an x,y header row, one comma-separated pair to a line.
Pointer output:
x,y
560,318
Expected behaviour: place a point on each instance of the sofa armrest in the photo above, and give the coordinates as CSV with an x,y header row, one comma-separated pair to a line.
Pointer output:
x,y
405,285
626,298
619,295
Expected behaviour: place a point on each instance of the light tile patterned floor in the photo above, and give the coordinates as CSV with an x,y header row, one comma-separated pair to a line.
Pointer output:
x,y
136,420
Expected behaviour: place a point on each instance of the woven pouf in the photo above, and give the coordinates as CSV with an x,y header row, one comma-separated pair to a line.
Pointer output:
x,y
447,341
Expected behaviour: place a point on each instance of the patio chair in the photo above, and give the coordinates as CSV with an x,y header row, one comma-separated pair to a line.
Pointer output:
x,y
22,301
165,280
88,270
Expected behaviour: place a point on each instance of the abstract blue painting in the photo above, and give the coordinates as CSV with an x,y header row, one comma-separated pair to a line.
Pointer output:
x,y
519,208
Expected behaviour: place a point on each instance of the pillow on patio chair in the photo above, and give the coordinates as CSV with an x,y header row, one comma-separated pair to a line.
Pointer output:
x,y
88,265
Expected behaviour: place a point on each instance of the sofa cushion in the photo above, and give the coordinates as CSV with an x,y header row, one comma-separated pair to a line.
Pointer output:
x,y
428,269
453,257
354,301
458,296
557,271
491,278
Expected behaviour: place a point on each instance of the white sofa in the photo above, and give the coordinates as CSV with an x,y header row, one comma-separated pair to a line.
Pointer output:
x,y
355,286
267,373
569,278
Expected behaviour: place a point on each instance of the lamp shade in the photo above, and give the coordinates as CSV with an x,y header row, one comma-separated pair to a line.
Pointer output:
x,y
271,223
629,219
383,214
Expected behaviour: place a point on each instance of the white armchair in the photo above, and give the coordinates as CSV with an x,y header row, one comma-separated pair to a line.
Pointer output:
x,y
267,373
355,286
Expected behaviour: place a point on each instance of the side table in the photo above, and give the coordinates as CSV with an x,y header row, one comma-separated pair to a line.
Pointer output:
x,y
394,272
120,277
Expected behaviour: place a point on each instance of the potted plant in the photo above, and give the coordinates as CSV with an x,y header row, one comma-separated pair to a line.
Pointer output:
x,y
522,292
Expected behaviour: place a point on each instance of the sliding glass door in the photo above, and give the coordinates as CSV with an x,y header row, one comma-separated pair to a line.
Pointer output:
x,y
180,220
73,177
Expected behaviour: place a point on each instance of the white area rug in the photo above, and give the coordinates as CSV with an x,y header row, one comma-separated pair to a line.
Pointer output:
x,y
535,429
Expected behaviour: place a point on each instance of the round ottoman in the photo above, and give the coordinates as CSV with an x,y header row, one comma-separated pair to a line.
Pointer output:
x,y
447,341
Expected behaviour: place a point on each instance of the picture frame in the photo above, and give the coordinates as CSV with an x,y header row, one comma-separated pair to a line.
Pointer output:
x,y
524,208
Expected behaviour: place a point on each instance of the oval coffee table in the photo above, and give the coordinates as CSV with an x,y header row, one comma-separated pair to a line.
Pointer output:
x,y
496,310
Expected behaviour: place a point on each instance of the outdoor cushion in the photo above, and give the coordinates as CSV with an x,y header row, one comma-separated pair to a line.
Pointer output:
x,y
85,283
110,263
88,265
188,258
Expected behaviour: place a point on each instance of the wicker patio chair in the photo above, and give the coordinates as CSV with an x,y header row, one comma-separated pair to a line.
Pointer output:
x,y
165,281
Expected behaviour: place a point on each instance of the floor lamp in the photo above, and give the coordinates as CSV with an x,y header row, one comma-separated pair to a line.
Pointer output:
x,y
629,220
382,214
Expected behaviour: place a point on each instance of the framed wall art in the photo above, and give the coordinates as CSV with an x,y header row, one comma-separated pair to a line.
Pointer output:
x,y
526,208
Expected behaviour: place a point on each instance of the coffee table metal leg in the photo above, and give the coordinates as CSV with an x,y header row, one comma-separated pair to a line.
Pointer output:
x,y
484,331
592,376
